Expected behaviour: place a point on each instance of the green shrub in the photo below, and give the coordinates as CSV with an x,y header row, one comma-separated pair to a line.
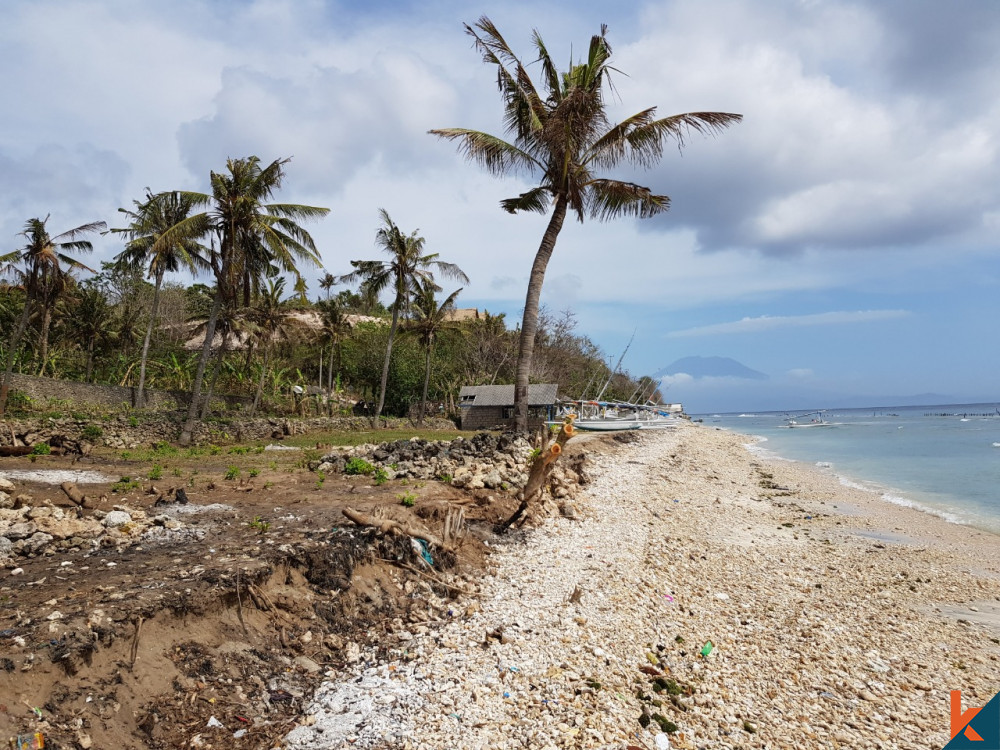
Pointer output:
x,y
133,422
125,484
232,472
254,473
409,499
259,525
381,476
92,432
358,465
156,472
40,449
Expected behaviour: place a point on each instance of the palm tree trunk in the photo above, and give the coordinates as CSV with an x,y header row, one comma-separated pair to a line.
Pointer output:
x,y
43,347
385,366
139,396
260,383
187,431
219,360
333,348
15,342
427,380
90,359
529,323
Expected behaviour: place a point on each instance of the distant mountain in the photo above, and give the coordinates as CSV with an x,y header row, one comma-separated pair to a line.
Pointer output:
x,y
710,367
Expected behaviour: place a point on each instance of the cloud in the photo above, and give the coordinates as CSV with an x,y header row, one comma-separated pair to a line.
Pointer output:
x,y
801,373
769,323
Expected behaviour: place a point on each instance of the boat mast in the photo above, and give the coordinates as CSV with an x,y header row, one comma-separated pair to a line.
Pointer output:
x,y
616,366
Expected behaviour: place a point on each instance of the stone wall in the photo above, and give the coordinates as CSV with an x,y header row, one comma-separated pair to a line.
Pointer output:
x,y
39,389
122,431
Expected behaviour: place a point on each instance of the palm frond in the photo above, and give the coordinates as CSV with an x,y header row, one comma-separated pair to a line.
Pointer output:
x,y
536,199
495,154
609,199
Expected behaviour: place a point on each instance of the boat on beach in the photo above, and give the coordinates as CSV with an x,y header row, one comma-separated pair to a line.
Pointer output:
x,y
612,416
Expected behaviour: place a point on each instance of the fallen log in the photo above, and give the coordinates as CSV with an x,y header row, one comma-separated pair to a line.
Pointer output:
x,y
74,494
15,450
388,526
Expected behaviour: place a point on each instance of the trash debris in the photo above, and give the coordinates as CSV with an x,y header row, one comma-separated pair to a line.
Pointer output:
x,y
662,741
707,649
35,741
239,733
215,723
420,547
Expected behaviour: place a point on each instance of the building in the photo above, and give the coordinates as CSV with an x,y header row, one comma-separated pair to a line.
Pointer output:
x,y
484,407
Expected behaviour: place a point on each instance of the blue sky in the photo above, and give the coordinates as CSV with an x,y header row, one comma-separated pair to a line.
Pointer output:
x,y
842,239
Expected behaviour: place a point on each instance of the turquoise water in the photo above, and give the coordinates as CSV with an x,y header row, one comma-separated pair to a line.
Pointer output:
x,y
942,459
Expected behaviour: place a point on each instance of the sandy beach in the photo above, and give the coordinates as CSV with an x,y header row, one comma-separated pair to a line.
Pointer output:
x,y
829,618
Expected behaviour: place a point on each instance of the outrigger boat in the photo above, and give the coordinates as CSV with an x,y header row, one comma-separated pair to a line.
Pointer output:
x,y
612,416
816,421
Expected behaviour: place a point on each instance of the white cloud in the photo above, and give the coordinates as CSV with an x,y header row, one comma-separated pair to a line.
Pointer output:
x,y
769,322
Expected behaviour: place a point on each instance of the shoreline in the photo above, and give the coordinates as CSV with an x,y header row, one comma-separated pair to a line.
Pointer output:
x,y
828,629
756,445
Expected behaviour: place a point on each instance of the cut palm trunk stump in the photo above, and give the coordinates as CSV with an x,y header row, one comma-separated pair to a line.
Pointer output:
x,y
541,468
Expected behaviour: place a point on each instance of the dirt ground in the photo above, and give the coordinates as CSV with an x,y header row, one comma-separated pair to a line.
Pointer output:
x,y
141,644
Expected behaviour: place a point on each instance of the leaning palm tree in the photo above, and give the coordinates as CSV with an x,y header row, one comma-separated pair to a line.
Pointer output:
x,y
404,272
429,318
563,134
38,266
254,237
150,219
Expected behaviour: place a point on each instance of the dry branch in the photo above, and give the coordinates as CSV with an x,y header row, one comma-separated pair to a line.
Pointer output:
x,y
388,526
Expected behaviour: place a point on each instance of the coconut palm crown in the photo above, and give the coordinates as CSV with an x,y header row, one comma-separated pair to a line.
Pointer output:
x,y
407,269
41,268
149,220
562,134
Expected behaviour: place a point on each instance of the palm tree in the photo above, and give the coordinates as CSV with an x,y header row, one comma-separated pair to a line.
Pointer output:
x,y
267,320
91,322
336,328
429,318
327,282
253,236
563,134
148,222
406,270
43,278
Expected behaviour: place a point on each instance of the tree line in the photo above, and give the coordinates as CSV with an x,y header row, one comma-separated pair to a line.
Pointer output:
x,y
251,246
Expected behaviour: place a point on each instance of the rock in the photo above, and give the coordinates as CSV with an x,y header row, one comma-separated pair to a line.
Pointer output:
x,y
352,653
116,518
21,530
307,664
6,501
6,485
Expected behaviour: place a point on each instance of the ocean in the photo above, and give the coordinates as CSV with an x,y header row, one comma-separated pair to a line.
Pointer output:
x,y
941,459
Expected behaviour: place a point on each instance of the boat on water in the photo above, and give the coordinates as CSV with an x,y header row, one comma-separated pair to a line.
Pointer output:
x,y
815,419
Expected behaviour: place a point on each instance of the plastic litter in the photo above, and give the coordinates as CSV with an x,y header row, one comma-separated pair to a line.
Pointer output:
x,y
420,547
215,723
239,733
35,741
662,741
707,648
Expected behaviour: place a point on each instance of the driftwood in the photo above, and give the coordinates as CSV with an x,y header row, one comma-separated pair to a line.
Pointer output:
x,y
74,494
388,526
15,450
538,475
